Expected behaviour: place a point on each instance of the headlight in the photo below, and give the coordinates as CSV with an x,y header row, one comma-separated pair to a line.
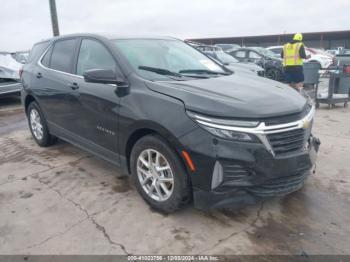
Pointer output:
x,y
228,134
225,128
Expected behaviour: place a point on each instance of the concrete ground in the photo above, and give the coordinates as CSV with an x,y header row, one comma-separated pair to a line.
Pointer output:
x,y
61,200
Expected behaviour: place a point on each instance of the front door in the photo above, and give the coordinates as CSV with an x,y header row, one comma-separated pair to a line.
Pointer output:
x,y
97,105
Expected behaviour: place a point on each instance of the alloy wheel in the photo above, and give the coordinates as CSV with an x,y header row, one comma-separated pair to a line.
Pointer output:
x,y
155,175
35,123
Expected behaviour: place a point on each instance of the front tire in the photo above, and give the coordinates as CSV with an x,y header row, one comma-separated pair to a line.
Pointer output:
x,y
38,126
159,175
274,74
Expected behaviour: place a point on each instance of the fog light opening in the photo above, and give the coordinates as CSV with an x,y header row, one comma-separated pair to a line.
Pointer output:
x,y
218,175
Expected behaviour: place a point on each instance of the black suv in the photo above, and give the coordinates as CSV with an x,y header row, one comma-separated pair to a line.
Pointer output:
x,y
181,124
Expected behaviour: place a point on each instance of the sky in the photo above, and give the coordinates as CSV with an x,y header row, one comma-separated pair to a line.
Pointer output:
x,y
24,22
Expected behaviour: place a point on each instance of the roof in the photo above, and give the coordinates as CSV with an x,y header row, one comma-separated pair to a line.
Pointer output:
x,y
108,36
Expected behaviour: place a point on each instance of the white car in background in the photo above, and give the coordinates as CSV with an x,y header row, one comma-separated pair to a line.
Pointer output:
x,y
323,58
10,67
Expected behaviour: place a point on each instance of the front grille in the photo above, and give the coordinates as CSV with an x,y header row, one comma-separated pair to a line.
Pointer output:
x,y
288,118
287,142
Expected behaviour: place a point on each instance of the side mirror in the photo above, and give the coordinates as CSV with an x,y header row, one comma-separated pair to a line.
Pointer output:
x,y
102,76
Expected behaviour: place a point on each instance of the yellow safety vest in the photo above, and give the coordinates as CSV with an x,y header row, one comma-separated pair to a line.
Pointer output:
x,y
291,55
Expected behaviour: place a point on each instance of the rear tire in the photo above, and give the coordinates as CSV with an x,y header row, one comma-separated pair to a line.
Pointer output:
x,y
38,126
149,174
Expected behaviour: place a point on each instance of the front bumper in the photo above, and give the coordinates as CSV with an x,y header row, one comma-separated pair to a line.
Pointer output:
x,y
250,172
10,87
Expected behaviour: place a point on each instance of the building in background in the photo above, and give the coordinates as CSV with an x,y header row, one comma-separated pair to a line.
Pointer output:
x,y
323,40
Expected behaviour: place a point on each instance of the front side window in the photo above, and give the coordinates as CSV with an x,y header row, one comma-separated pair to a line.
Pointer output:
x,y
265,52
165,54
240,54
93,55
62,55
254,55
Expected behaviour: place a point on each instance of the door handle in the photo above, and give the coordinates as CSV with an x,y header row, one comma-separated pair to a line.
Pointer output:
x,y
74,86
39,75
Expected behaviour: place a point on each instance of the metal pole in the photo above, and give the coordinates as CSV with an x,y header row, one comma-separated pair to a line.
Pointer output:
x,y
54,20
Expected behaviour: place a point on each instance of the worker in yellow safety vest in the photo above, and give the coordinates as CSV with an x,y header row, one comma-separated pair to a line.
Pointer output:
x,y
293,54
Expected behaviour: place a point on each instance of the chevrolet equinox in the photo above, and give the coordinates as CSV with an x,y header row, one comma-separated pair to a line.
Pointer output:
x,y
183,125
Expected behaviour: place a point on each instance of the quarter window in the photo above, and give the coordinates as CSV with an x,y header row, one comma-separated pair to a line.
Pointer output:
x,y
62,55
46,59
93,55
37,51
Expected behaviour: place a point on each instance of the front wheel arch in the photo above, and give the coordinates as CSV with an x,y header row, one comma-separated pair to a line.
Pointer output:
x,y
28,100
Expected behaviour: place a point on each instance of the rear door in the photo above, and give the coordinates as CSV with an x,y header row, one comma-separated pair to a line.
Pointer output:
x,y
97,106
53,78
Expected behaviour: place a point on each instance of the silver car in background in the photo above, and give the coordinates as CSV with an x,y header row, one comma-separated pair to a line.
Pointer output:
x,y
10,67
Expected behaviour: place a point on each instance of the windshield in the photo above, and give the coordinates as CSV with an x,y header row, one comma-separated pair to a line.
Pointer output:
x,y
153,58
265,52
226,58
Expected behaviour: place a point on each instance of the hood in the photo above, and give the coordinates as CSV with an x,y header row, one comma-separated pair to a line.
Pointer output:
x,y
236,95
240,69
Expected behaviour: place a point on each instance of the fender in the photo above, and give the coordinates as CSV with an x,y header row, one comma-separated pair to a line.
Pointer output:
x,y
140,129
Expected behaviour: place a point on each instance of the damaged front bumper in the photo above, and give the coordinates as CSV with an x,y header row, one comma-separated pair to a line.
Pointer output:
x,y
8,87
249,183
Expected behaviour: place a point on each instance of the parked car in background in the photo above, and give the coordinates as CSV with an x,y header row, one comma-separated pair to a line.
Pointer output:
x,y
321,57
332,51
336,51
10,67
277,50
203,47
262,57
227,47
233,64
343,58
184,126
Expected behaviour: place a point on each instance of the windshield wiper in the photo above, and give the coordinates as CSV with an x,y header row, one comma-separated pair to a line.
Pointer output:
x,y
202,71
160,71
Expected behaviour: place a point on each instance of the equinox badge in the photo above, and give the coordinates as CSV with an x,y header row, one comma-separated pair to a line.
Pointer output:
x,y
105,130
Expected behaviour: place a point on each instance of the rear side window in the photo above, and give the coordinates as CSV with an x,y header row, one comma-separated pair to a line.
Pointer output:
x,y
62,55
37,51
93,55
